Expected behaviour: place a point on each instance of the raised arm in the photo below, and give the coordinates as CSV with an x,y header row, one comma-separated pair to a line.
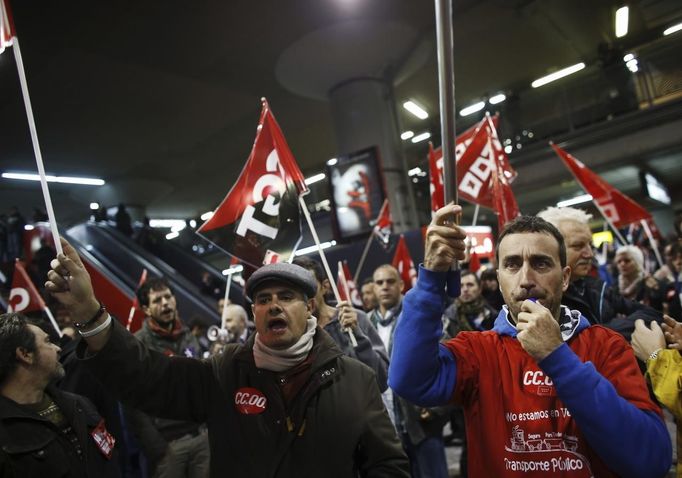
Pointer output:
x,y
421,370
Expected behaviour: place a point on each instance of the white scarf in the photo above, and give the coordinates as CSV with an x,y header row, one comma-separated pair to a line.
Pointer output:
x,y
279,360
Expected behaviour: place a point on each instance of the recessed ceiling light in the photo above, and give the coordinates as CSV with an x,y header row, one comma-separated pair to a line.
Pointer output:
x,y
332,162
421,137
472,108
622,15
415,109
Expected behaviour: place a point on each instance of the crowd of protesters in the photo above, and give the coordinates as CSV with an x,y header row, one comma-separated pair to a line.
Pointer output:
x,y
304,388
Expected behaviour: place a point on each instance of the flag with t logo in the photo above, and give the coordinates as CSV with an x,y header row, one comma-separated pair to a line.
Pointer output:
x,y
259,219
24,297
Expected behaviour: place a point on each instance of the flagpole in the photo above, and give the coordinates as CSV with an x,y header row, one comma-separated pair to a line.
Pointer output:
x,y
651,241
363,257
342,274
53,321
36,146
332,282
476,209
226,300
446,88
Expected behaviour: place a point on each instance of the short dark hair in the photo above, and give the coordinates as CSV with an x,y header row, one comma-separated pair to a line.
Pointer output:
x,y
489,274
368,280
156,283
313,266
470,273
14,334
523,224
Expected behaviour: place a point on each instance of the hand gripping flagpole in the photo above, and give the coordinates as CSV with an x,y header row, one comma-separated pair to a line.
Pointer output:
x,y
36,146
332,282
446,87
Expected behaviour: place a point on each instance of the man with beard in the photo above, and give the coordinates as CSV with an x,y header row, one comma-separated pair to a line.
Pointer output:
x,y
45,432
286,404
599,303
544,392
173,448
469,311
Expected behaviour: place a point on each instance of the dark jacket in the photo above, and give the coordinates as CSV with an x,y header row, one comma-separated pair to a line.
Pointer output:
x,y
602,304
336,426
31,446
155,433
370,349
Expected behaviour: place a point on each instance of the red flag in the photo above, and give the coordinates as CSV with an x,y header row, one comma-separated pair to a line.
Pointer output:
x,y
504,201
259,218
619,209
344,275
6,26
383,225
474,154
403,262
24,297
474,261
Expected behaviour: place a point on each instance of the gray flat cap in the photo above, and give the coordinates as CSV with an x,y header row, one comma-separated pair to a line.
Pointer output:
x,y
291,274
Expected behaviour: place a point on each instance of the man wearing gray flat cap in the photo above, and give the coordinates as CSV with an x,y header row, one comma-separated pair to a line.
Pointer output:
x,y
287,403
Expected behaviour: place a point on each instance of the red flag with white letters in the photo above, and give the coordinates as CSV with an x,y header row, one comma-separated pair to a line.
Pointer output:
x,y
619,209
402,260
346,282
475,150
24,297
6,26
259,219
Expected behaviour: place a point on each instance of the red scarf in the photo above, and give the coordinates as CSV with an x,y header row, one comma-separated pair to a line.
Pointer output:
x,y
174,334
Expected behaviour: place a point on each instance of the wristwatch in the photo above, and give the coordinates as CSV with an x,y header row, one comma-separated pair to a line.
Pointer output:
x,y
98,314
654,354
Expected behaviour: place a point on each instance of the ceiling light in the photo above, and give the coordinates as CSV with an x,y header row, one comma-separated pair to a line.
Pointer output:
x,y
30,227
622,15
175,224
192,223
414,171
55,179
407,135
472,109
308,250
421,137
94,206
632,66
557,74
207,215
672,29
172,235
332,162
576,200
415,109
508,149
628,57
498,98
314,179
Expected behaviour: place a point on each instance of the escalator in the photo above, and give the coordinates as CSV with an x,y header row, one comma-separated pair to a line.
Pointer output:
x,y
126,260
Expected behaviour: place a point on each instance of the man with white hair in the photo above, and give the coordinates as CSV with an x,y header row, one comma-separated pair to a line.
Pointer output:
x,y
598,302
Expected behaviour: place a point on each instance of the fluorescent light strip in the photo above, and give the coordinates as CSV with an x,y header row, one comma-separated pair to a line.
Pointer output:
x,y
314,179
176,224
622,15
55,179
172,235
308,250
557,75
421,137
576,200
498,98
332,162
415,109
414,171
672,29
628,57
472,108
407,135
207,215
94,206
